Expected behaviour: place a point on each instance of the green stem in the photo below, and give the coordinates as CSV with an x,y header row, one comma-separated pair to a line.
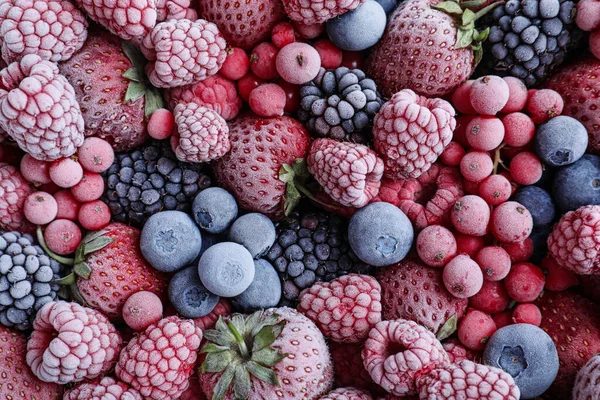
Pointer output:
x,y
60,259
239,339
487,9
301,188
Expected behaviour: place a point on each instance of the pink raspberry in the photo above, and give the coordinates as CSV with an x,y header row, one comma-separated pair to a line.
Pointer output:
x,y
468,380
13,192
71,343
436,245
318,11
397,352
349,172
201,136
587,382
107,388
347,393
215,92
475,329
39,110
348,365
457,352
52,29
410,132
471,215
511,222
344,309
463,277
489,94
159,361
575,241
128,19
183,52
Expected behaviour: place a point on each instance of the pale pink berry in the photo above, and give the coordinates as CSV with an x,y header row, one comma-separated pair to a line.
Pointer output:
x,y
62,236
471,215
475,166
485,133
511,222
35,171
519,129
544,104
173,9
317,11
436,245
66,172
142,309
298,63
517,95
40,208
94,215
489,94
457,352
161,124
67,206
494,262
309,31
495,189
475,329
106,388
527,313
95,154
89,188
267,100
462,277
13,192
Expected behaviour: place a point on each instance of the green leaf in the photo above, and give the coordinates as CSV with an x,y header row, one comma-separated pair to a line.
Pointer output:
x,y
487,9
238,321
450,7
463,38
91,236
253,320
66,280
154,100
135,56
447,329
268,357
468,17
213,348
76,295
481,36
80,254
241,382
262,373
269,320
220,338
223,384
264,338
292,198
300,168
97,244
477,54
472,4
135,91
133,74
216,362
63,293
221,325
83,270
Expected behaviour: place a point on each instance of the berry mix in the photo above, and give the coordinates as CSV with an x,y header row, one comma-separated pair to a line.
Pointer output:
x,y
299,199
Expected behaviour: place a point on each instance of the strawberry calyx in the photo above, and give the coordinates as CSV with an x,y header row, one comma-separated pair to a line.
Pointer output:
x,y
447,329
139,85
240,347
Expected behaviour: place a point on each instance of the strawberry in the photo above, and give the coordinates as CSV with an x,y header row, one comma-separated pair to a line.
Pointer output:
x,y
573,323
429,47
112,90
16,379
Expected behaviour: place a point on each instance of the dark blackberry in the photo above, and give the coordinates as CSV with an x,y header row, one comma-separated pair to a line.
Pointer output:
x,y
150,179
312,248
340,104
26,276
528,39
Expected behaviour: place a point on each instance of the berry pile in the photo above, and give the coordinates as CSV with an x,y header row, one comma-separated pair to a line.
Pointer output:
x,y
282,199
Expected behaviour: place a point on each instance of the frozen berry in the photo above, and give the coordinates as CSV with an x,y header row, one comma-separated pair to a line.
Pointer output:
x,y
460,133
495,189
492,298
517,95
331,56
476,166
308,31
519,129
462,277
94,215
511,222
67,206
142,309
283,34
268,100
35,171
40,208
526,168
453,154
471,187
520,251
90,187
524,282
95,155
468,244
436,245
461,98
475,329
494,262
66,172
62,236
502,319
161,124
544,104
485,133
557,149
470,215
489,94
236,64
292,96
358,29
353,59
262,61
557,277
527,313
247,84
298,63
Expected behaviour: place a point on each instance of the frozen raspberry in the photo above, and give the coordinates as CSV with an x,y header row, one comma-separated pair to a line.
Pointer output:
x,y
475,329
462,277
453,154
526,168
89,188
202,135
66,172
511,222
461,98
410,132
587,382
67,206
475,166
544,104
236,65
39,110
298,63
331,56
318,11
396,352
519,129
71,343
502,319
247,83
468,380
494,262
128,19
168,351
40,208
557,277
174,9
349,172
436,245
106,388
527,313
489,94
347,393
62,236
95,155
348,365
223,308
161,124
215,92
283,34
471,215
177,62
52,29
457,352
94,215
485,133
344,309
520,251
495,190
142,309
263,61
491,299
35,171
267,100
524,282
517,95
468,244
13,192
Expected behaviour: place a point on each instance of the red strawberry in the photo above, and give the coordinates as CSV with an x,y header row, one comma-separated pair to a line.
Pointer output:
x,y
259,149
573,323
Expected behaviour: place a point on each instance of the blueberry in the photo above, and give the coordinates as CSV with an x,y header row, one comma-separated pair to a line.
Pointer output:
x,y
358,29
529,8
539,236
214,209
530,34
263,292
255,232
226,269
549,8
525,352
390,5
538,202
380,234
189,296
578,184
519,23
560,141
170,240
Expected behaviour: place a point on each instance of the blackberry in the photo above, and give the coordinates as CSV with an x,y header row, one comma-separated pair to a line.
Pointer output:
x,y
312,248
26,276
150,179
529,38
340,104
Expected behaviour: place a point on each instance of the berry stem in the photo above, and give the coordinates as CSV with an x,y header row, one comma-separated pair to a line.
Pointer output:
x,y
239,339
498,159
42,242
